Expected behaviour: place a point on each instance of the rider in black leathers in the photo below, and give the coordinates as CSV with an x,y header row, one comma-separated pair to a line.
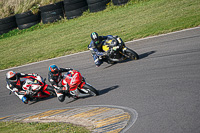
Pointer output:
x,y
15,84
55,78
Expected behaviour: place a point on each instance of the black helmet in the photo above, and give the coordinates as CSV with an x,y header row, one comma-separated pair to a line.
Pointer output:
x,y
54,70
95,37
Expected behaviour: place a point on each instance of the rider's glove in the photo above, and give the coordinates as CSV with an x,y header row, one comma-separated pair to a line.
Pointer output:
x,y
109,52
106,53
27,92
15,90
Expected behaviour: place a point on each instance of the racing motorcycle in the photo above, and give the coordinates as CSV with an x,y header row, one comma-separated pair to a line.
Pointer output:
x,y
117,51
77,85
34,88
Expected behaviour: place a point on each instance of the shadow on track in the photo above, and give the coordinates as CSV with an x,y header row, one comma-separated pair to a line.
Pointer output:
x,y
41,99
144,55
104,91
141,56
101,92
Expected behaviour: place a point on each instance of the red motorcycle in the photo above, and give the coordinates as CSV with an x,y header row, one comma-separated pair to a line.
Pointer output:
x,y
34,88
77,85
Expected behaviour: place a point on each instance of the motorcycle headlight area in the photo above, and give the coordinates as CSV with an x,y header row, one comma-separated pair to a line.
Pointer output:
x,y
115,48
32,84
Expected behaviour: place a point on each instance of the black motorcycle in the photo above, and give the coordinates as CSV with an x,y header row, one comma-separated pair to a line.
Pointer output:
x,y
117,51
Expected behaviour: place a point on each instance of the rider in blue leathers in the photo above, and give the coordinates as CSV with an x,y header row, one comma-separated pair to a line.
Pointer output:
x,y
95,47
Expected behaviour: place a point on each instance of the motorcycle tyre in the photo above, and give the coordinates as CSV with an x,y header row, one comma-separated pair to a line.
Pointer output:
x,y
92,90
110,62
132,54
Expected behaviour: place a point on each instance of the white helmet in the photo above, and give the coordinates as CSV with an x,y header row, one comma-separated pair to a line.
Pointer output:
x,y
11,75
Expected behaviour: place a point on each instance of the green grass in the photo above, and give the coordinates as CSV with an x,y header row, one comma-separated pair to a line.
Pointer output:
x,y
17,127
137,19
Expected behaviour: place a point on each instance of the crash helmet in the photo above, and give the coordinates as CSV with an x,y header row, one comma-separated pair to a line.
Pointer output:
x,y
95,37
11,75
54,70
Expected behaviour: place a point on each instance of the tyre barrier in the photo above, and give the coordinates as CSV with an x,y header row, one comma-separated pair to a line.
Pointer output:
x,y
7,24
27,19
52,13
97,5
74,8
119,2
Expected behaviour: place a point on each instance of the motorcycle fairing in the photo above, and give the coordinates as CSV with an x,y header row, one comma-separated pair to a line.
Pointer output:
x,y
73,79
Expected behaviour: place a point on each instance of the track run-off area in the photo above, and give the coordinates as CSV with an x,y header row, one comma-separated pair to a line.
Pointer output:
x,y
160,92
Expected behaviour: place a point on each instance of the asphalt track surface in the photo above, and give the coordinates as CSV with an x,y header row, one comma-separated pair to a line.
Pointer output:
x,y
163,86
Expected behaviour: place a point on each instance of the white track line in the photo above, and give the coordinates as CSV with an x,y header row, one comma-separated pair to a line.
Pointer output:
x,y
88,50
42,61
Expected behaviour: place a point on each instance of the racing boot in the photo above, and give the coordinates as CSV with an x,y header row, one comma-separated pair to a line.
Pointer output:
x,y
24,100
67,94
60,94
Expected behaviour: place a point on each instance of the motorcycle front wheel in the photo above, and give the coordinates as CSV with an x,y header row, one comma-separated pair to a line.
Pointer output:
x,y
91,90
131,54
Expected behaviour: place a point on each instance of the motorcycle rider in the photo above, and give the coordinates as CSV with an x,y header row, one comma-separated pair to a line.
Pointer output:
x,y
95,47
55,78
15,84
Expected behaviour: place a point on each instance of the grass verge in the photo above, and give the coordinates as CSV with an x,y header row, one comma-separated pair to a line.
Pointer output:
x,y
137,19
17,127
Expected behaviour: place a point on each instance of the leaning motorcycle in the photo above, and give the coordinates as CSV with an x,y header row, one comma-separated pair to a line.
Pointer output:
x,y
117,51
77,85
34,88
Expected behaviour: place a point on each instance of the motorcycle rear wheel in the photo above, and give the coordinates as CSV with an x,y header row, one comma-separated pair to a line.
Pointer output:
x,y
91,90
132,54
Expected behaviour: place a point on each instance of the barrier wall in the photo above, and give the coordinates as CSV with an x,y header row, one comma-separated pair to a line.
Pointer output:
x,y
54,12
